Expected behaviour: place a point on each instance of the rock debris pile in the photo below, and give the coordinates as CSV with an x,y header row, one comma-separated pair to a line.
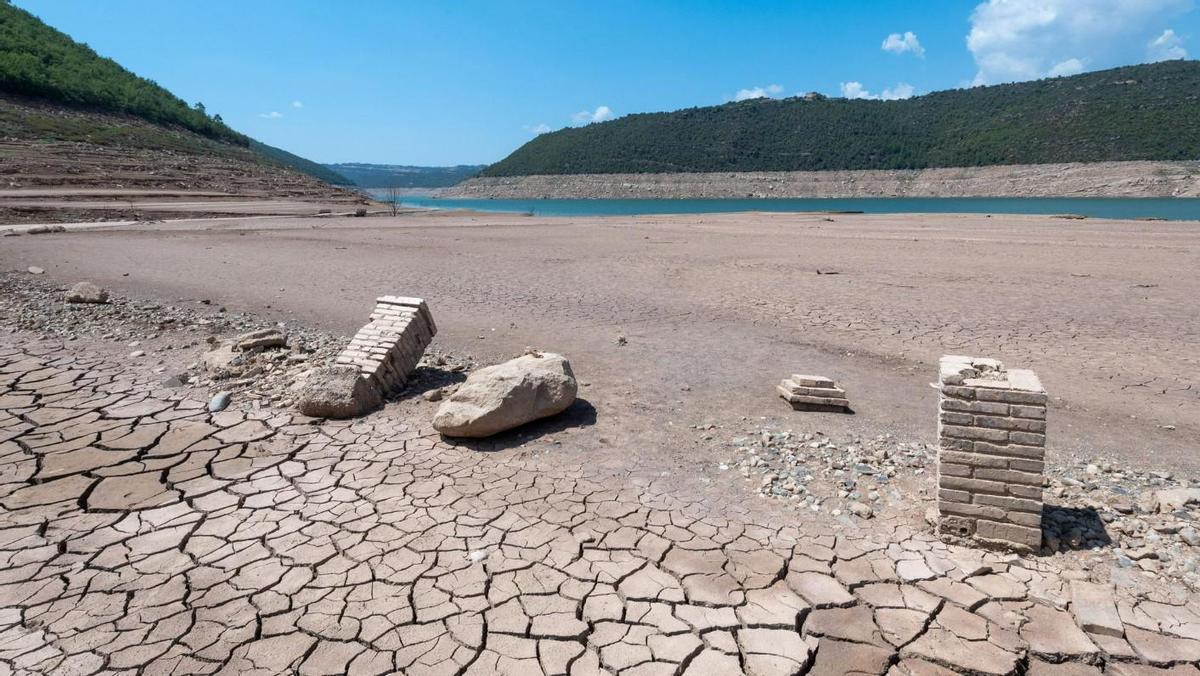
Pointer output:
x,y
810,470
1147,522
1144,523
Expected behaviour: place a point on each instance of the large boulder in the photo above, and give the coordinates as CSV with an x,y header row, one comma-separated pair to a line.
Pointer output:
x,y
504,396
86,292
337,392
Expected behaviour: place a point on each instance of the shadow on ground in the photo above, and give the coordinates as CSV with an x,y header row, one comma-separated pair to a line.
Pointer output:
x,y
1072,528
426,378
579,414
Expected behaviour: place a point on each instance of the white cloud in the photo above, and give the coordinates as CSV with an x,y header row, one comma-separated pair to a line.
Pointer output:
x,y
297,104
1014,40
1166,47
535,129
902,90
758,92
600,114
900,43
273,115
855,90
1068,67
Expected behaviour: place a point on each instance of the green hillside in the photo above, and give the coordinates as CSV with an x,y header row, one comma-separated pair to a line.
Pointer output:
x,y
39,63
404,176
300,164
1145,112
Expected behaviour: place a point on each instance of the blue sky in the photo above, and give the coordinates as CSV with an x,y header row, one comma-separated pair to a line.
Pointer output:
x,y
467,82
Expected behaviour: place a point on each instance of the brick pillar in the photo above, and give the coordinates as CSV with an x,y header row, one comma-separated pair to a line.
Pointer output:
x,y
386,350
991,452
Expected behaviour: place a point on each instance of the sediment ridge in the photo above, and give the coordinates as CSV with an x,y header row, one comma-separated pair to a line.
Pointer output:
x,y
1099,179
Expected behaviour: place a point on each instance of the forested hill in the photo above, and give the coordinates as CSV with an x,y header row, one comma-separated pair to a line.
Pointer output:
x,y
39,63
1145,112
37,60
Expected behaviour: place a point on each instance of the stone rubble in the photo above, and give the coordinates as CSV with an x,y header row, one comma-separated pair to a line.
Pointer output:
x,y
1104,514
814,471
273,376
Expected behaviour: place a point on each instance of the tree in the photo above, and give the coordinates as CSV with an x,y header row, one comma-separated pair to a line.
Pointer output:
x,y
393,195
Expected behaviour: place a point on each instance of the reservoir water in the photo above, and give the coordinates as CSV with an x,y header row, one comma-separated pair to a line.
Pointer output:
x,y
1176,209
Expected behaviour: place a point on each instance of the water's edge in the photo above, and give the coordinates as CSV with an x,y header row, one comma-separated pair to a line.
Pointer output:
x,y
1168,208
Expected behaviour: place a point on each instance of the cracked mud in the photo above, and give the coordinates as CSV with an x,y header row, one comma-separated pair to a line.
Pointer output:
x,y
140,533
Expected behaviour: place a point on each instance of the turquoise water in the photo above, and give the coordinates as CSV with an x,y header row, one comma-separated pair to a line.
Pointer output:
x,y
1175,209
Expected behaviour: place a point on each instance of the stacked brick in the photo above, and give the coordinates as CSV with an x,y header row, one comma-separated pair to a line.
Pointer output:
x,y
387,349
992,438
813,392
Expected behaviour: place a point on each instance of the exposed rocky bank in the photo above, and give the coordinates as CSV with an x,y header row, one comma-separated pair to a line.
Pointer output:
x,y
1101,179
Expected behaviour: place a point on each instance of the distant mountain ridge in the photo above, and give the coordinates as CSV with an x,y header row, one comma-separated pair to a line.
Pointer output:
x,y
39,63
404,176
1143,112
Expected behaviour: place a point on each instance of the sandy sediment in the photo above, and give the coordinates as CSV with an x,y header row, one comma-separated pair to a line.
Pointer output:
x,y
717,308
1101,179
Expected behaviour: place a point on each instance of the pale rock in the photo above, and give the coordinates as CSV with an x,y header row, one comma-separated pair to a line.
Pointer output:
x,y
262,338
1176,498
86,292
219,359
337,392
504,396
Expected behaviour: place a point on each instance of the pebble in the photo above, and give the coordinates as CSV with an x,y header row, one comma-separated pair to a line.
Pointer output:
x,y
219,401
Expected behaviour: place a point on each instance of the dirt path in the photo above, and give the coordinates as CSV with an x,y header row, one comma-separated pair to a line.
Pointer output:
x,y
717,308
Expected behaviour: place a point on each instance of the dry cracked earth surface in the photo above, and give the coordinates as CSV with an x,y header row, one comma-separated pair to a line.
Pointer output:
x,y
142,533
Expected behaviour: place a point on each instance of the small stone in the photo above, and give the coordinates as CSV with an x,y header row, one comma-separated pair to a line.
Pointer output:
x,y
860,510
86,292
264,338
137,353
218,403
1191,536
478,555
35,270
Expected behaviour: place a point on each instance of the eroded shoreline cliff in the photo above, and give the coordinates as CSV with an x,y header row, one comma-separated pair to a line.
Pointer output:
x,y
1101,179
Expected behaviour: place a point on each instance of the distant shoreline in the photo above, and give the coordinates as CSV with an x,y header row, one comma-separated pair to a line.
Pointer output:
x,y
1099,179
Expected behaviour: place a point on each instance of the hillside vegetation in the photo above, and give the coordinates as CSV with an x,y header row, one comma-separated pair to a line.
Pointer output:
x,y
1145,112
56,89
403,176
306,166
37,60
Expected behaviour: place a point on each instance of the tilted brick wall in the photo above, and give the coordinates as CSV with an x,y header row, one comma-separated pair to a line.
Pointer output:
x,y
388,348
991,452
